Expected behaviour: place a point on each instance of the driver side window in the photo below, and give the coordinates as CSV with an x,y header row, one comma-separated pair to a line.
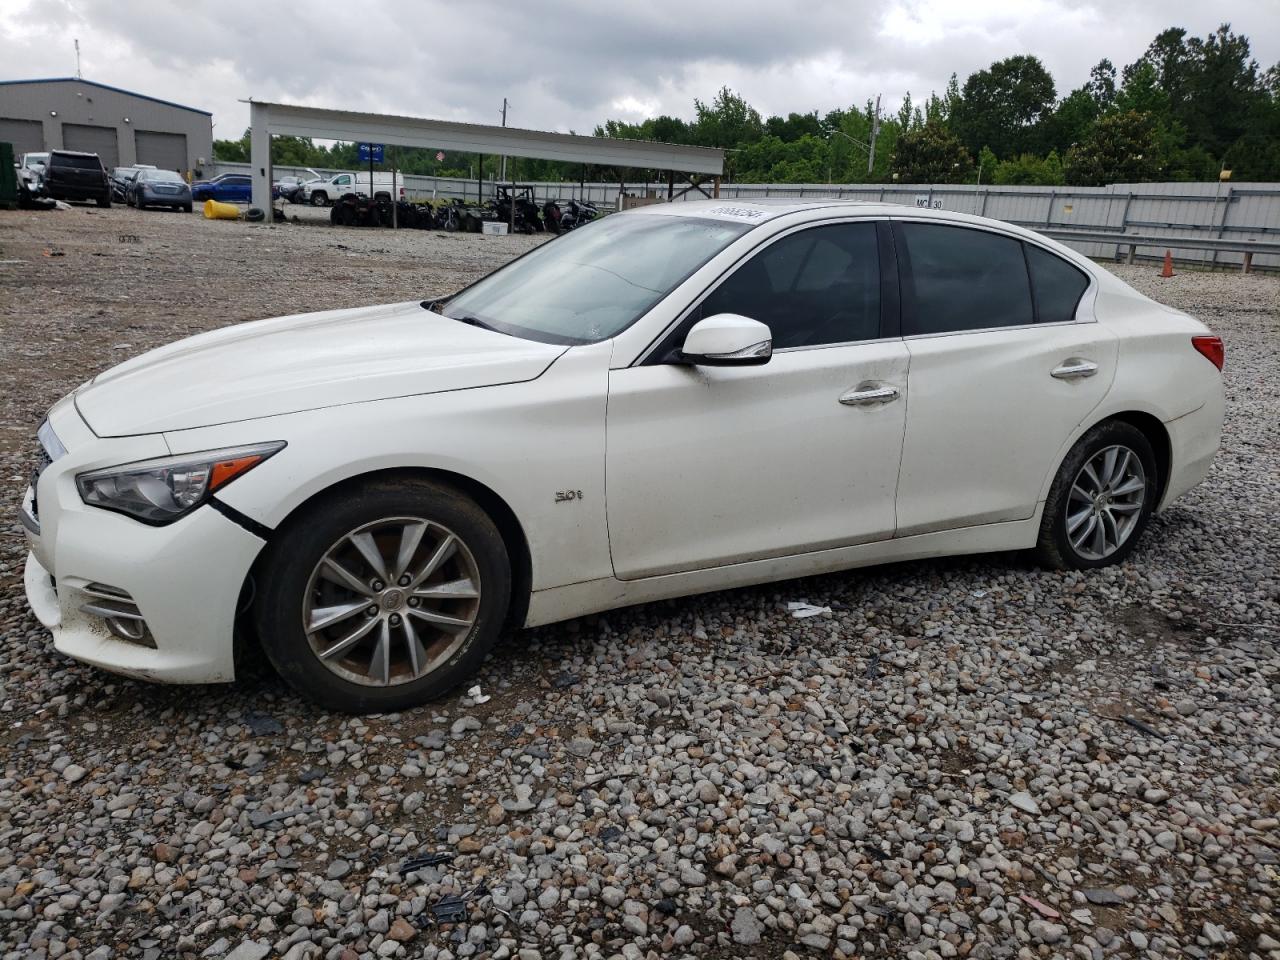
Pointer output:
x,y
814,287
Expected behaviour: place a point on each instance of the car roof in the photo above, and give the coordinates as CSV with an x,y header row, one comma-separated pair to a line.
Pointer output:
x,y
764,209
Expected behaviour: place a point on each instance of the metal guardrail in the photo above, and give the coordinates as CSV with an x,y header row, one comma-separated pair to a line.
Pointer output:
x,y
1168,242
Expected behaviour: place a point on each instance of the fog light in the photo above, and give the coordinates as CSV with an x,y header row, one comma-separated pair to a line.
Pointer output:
x,y
119,612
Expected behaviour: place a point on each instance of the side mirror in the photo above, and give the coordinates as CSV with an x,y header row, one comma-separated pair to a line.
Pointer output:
x,y
727,340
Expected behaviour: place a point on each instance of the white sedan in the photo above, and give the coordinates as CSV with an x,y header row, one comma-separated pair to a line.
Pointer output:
x,y
681,398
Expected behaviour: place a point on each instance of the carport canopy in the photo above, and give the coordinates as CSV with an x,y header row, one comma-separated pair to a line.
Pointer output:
x,y
280,119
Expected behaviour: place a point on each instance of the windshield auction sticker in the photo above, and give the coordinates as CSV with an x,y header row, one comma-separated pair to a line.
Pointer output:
x,y
737,213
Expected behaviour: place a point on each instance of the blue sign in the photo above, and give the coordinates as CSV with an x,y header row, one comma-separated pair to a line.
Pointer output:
x,y
365,149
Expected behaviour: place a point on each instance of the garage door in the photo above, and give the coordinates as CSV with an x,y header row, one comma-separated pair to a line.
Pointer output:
x,y
168,151
99,140
27,136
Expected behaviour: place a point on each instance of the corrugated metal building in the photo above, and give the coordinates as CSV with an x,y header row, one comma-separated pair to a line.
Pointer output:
x,y
122,128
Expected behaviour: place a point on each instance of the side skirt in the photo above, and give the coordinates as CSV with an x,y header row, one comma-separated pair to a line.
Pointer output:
x,y
594,596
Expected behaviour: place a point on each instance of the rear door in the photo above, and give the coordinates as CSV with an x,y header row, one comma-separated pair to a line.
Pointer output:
x,y
1006,361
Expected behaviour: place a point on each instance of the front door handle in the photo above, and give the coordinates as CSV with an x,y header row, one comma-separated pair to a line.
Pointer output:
x,y
1075,368
867,394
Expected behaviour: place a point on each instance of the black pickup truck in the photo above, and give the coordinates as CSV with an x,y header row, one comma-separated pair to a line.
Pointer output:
x,y
76,176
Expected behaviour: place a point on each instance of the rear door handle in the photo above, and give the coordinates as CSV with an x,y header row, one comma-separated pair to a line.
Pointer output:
x,y
867,394
1075,368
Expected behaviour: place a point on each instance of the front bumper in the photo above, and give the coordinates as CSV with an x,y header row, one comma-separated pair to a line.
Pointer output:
x,y
184,578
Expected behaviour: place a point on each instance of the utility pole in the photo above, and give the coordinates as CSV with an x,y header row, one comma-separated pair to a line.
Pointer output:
x,y
503,177
78,76
875,132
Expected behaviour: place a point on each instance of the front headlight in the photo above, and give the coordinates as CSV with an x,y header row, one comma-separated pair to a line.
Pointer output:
x,y
161,491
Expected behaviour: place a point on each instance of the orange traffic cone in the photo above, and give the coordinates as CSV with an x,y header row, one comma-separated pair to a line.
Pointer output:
x,y
1168,265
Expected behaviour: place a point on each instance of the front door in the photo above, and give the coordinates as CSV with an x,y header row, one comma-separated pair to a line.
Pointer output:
x,y
708,466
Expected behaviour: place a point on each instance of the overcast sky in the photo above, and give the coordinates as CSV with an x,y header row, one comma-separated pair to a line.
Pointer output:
x,y
570,64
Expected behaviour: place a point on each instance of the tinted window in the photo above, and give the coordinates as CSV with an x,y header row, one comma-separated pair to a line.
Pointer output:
x,y
961,279
1058,286
814,287
78,161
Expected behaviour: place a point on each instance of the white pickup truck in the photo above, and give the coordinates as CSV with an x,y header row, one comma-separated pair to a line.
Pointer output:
x,y
321,193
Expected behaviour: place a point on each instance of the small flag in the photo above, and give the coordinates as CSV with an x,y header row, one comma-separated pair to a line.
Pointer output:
x,y
439,156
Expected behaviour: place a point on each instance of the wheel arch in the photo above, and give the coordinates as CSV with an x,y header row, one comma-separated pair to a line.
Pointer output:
x,y
509,526
1157,435
1150,425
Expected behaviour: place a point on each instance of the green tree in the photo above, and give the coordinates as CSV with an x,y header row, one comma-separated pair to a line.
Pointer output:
x,y
1002,105
1029,169
1102,84
794,126
931,154
1121,148
728,121
1070,121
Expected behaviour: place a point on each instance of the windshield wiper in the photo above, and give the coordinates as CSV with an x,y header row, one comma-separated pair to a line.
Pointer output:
x,y
472,320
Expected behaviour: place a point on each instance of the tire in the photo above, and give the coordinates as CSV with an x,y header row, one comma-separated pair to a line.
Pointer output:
x,y
187,208
319,198
1119,504
104,202
359,678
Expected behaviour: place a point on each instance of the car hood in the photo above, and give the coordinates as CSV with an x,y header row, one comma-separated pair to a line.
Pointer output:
x,y
304,362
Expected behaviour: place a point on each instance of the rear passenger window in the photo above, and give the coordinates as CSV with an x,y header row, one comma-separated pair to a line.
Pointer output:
x,y
1058,286
818,286
959,279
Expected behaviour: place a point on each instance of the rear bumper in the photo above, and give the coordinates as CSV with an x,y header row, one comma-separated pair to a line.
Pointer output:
x,y
77,191
172,199
1194,439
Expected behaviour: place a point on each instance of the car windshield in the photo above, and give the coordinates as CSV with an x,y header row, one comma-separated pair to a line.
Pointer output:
x,y
593,283
34,160
163,176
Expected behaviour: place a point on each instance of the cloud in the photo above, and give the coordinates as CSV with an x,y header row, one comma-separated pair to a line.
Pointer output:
x,y
570,64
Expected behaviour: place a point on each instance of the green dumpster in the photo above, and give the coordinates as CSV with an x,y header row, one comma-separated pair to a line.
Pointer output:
x,y
8,178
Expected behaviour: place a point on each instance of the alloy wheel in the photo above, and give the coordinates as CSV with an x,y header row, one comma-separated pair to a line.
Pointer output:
x,y
391,601
1106,502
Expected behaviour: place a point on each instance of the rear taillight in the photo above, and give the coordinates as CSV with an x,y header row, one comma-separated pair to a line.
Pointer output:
x,y
1211,349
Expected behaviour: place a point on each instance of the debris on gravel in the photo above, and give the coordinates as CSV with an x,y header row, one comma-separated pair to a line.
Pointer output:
x,y
963,758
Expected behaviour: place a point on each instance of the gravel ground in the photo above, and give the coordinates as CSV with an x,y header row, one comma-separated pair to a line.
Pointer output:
x,y
969,757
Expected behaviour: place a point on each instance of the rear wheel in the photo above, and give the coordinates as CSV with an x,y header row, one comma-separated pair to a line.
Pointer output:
x,y
1101,499
104,202
384,598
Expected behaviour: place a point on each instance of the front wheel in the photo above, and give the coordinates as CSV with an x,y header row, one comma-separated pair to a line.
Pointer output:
x,y
384,597
319,199
1101,499
104,202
